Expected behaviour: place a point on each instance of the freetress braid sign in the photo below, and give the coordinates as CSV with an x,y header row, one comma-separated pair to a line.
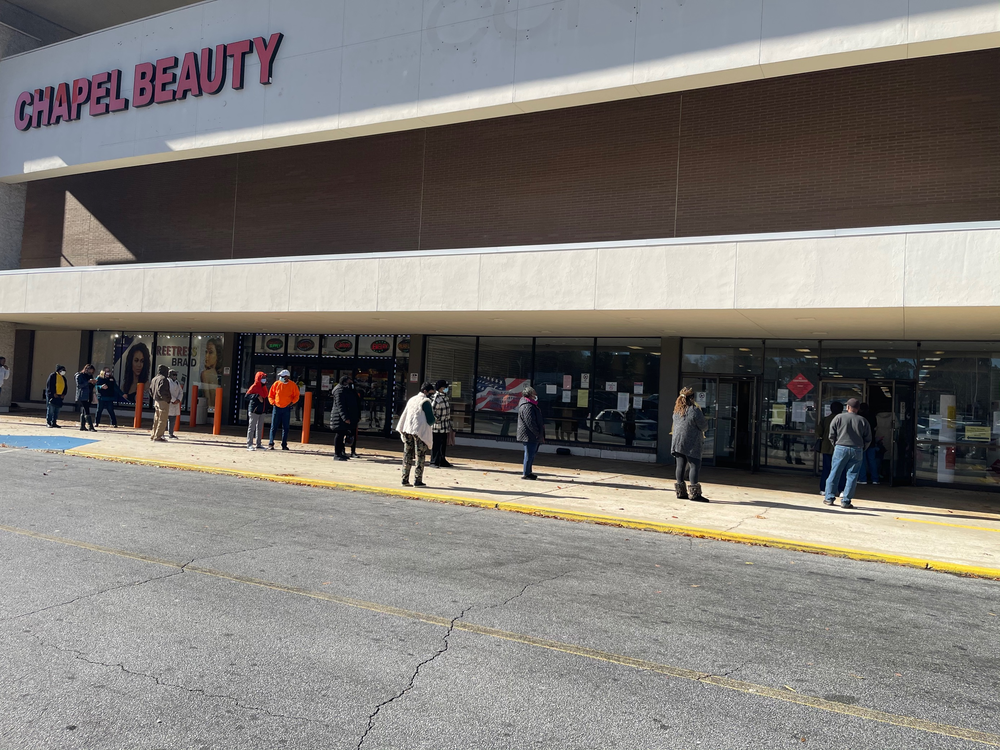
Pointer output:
x,y
169,79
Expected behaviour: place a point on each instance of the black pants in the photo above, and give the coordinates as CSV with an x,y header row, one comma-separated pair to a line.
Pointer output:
x,y
103,405
84,409
690,465
439,448
338,443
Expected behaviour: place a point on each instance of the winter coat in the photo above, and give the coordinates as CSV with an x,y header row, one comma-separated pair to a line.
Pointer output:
x,y
84,390
51,386
345,407
256,397
111,393
176,394
159,388
530,426
689,433
416,419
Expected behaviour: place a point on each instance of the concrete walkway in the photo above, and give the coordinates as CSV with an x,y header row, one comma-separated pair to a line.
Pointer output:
x,y
952,530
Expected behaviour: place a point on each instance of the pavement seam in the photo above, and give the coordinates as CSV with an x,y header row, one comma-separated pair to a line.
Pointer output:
x,y
972,571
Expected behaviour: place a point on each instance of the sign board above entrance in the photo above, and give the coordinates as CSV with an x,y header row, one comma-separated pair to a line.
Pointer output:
x,y
153,83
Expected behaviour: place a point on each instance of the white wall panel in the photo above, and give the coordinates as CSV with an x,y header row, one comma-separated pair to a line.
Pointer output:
x,y
429,283
181,288
55,293
395,64
962,267
562,280
250,288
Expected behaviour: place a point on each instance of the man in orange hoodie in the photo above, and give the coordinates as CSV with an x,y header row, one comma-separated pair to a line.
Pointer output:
x,y
283,396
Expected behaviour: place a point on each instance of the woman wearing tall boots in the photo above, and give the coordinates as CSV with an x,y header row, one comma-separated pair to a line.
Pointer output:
x,y
84,393
687,444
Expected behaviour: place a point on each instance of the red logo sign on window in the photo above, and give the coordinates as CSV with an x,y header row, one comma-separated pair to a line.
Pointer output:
x,y
800,385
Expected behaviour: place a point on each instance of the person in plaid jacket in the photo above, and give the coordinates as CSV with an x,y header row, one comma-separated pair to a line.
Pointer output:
x,y
443,426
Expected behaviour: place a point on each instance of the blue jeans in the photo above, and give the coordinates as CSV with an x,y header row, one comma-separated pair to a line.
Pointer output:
x,y
827,465
869,465
530,449
849,460
104,405
280,417
52,410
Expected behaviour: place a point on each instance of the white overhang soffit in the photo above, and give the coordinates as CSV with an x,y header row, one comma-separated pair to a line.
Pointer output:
x,y
358,67
930,282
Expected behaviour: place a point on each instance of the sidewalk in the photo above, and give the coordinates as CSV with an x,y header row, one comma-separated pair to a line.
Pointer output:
x,y
953,530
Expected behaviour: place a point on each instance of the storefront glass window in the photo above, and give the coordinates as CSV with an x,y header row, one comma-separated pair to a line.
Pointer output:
x,y
504,372
339,346
208,358
174,351
375,346
563,371
133,362
452,358
102,353
269,343
723,356
625,397
880,360
790,400
958,414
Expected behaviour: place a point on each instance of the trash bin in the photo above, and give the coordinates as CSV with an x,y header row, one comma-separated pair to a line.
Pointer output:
x,y
201,416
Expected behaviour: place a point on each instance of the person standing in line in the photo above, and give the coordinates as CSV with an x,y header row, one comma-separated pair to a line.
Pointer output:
x,y
283,395
84,393
530,429
55,392
159,391
687,445
256,400
107,393
826,447
176,396
443,427
4,373
415,429
345,413
869,462
851,434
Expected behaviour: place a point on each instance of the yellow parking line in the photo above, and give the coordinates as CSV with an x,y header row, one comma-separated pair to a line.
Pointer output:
x,y
953,525
750,688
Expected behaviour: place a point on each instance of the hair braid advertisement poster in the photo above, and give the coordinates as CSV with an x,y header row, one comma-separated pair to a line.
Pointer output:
x,y
197,358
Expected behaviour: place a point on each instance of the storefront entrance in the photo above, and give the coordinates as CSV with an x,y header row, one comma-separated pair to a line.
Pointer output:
x,y
891,411
729,404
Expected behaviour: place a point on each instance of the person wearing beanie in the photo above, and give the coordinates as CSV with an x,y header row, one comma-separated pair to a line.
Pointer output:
x,y
283,395
443,427
159,390
55,392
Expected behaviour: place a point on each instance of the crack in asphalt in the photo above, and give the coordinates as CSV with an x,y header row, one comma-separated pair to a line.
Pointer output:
x,y
130,584
444,648
81,656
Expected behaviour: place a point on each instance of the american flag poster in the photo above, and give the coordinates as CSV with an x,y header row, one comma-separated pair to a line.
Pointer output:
x,y
499,394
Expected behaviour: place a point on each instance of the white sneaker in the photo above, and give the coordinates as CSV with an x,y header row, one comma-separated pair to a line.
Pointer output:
x,y
251,448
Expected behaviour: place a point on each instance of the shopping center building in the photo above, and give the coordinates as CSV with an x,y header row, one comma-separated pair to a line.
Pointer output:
x,y
783,203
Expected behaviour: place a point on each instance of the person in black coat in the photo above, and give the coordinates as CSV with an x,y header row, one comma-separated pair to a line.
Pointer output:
x,y
345,414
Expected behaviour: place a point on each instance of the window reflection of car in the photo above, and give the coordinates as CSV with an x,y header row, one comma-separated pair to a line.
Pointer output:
x,y
612,422
929,428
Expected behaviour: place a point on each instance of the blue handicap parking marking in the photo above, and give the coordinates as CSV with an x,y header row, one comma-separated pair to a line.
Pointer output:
x,y
43,442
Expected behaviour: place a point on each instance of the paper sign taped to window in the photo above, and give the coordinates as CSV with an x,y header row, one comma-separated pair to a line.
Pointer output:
x,y
567,396
701,398
585,380
782,396
799,411
456,389
778,412
622,402
550,389
637,403
567,381
611,386
583,398
637,389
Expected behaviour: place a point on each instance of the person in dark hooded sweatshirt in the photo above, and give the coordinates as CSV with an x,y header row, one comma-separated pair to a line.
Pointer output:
x,y
344,414
256,400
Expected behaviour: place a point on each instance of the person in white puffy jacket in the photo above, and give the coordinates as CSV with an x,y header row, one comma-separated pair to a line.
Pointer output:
x,y
414,427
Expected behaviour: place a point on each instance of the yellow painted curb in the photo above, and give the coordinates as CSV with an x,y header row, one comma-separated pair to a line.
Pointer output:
x,y
974,571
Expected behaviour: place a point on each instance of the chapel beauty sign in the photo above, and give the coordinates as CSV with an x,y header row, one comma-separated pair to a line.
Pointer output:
x,y
166,80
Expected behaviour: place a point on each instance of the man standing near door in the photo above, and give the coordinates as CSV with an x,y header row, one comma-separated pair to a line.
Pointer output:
x,y
283,396
850,434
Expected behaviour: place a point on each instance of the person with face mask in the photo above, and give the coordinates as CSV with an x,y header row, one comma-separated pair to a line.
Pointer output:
x,y
176,396
443,427
344,414
256,400
55,392
284,394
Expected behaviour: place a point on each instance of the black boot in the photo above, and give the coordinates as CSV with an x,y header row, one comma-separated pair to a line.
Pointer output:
x,y
90,424
681,489
83,423
696,495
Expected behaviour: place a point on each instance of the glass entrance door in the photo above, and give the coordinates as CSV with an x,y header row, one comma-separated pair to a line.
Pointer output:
x,y
734,423
373,386
904,443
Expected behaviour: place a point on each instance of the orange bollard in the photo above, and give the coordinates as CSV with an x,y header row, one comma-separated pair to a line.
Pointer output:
x,y
217,427
307,408
193,406
139,393
177,423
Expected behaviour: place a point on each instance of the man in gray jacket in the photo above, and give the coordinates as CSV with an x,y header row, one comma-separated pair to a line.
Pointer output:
x,y
850,434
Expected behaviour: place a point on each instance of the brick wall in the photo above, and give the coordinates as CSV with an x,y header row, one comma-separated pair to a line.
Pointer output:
x,y
916,141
